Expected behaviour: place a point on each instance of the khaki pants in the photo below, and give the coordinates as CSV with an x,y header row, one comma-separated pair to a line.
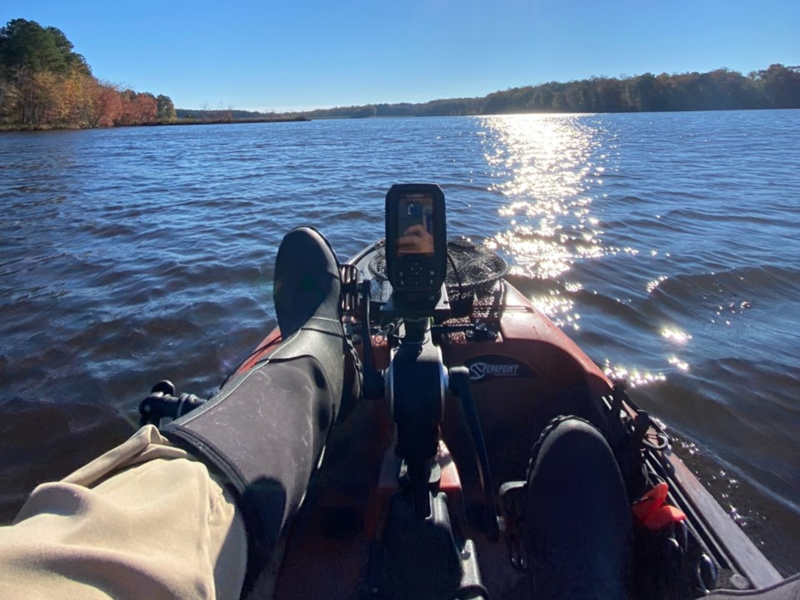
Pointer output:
x,y
146,520
164,529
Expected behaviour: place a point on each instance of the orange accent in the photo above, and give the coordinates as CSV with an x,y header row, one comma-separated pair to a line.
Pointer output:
x,y
450,481
650,502
652,512
267,346
663,516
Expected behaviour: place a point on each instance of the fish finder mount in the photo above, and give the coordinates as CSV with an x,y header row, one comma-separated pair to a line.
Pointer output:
x,y
416,384
417,379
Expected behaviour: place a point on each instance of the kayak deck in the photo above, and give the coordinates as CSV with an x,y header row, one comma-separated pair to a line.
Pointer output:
x,y
524,371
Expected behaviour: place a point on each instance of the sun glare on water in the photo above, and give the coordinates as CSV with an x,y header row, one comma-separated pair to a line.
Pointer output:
x,y
550,171
544,169
675,335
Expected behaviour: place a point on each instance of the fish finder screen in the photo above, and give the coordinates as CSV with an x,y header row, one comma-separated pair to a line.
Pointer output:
x,y
415,225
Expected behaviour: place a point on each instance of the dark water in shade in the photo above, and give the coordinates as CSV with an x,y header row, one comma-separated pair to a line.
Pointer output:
x,y
666,245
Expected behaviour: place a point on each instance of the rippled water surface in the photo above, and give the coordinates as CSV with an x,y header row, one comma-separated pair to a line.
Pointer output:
x,y
666,245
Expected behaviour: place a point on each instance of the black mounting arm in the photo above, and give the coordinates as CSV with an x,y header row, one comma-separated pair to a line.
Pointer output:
x,y
417,384
372,387
461,387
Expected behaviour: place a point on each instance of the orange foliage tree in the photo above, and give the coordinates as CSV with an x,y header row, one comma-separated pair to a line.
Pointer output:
x,y
43,84
105,105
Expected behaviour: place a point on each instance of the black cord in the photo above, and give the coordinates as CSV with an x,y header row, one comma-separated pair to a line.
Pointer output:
x,y
458,276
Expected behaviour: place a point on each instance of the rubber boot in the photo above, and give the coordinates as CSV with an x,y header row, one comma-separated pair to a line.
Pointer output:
x,y
265,432
578,530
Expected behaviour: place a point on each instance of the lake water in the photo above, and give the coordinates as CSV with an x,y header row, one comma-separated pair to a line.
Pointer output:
x,y
667,245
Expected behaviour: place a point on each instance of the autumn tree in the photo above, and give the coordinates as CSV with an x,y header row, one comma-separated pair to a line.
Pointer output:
x,y
146,108
44,83
105,105
166,109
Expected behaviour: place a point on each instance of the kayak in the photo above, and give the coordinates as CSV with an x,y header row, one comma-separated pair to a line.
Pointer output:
x,y
524,372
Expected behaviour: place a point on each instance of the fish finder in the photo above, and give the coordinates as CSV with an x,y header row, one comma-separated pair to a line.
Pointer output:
x,y
416,241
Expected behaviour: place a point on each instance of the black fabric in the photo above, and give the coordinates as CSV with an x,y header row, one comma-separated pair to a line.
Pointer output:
x,y
266,430
578,530
306,280
265,435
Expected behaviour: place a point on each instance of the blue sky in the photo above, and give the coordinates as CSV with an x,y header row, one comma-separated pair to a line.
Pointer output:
x,y
311,53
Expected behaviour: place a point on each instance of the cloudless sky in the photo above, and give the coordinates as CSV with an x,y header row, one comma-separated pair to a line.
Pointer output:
x,y
302,54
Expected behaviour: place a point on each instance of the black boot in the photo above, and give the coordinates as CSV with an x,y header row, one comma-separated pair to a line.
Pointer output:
x,y
577,519
265,432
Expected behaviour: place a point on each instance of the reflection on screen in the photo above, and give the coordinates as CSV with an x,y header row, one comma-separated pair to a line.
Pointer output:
x,y
415,225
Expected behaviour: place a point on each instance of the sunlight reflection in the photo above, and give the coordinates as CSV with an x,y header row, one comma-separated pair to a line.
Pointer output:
x,y
677,362
635,377
655,283
558,309
544,168
549,169
675,335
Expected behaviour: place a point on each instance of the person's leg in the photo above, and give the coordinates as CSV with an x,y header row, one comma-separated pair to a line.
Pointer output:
x,y
266,430
144,520
147,520
578,530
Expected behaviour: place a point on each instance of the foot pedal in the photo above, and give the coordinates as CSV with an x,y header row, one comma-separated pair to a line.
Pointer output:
x,y
349,294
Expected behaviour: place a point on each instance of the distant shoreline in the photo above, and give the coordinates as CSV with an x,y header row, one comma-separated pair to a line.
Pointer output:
x,y
14,128
219,121
17,128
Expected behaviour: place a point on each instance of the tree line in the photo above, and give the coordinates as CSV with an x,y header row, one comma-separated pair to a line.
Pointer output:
x,y
775,87
45,84
222,114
